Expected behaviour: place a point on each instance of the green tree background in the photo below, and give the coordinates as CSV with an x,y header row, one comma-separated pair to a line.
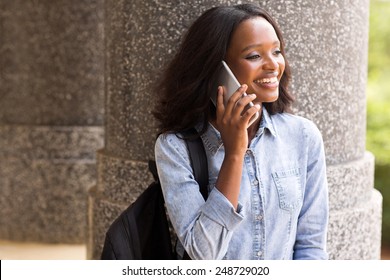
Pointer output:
x,y
378,104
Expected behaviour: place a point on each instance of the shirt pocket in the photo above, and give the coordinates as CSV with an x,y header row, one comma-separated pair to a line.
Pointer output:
x,y
289,187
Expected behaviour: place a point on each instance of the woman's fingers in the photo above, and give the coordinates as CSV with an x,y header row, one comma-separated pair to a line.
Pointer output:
x,y
236,110
231,103
220,103
244,110
250,113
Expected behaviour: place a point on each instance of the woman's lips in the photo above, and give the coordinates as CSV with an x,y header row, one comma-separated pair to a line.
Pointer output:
x,y
272,82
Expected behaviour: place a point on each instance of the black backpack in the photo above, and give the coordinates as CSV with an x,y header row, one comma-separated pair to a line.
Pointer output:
x,y
141,232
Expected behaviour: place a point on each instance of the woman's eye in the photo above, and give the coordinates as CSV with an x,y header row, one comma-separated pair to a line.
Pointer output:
x,y
277,52
254,56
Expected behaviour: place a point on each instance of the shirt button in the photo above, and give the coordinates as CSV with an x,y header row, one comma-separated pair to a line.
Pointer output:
x,y
259,217
259,253
255,182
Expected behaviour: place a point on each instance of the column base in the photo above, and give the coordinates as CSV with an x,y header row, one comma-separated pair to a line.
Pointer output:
x,y
355,233
44,176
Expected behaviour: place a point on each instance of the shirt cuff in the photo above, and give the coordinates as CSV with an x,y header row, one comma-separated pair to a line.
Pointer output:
x,y
219,209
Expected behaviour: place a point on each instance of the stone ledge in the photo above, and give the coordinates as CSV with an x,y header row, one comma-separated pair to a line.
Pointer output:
x,y
45,202
50,142
355,233
351,183
44,175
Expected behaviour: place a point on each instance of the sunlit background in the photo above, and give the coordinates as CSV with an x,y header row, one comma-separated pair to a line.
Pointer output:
x,y
378,104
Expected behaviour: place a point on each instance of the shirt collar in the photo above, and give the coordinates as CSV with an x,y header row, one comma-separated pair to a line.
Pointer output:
x,y
212,138
266,123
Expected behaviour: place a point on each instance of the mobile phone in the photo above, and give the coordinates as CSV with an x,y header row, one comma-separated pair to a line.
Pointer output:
x,y
225,78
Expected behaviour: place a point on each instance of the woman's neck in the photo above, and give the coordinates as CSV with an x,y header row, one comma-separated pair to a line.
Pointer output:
x,y
252,130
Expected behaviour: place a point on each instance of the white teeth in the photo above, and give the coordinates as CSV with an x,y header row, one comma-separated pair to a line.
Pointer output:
x,y
267,80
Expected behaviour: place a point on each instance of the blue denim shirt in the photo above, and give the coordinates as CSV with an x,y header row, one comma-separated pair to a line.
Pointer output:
x,y
283,201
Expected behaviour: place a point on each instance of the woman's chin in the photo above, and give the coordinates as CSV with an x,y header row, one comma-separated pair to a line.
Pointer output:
x,y
268,99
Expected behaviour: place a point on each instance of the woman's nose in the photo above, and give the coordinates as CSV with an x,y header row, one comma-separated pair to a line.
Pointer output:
x,y
271,63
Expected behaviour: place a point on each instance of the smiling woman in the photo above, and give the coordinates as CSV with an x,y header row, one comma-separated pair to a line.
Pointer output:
x,y
268,194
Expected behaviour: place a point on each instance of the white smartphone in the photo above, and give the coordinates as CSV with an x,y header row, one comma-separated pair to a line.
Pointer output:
x,y
225,78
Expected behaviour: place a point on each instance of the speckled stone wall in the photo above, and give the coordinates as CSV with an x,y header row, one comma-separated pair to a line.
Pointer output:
x,y
51,116
327,49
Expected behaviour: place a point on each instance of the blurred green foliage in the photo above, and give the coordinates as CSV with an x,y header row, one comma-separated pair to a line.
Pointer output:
x,y
378,104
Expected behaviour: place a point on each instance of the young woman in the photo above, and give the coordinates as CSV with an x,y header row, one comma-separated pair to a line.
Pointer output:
x,y
268,194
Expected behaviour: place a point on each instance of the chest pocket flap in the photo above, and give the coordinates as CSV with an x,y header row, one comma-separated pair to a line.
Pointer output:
x,y
289,187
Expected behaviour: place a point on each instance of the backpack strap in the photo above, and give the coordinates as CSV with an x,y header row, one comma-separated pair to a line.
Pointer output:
x,y
198,160
199,165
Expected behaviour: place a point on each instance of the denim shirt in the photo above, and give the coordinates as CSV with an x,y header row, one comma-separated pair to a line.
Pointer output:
x,y
283,201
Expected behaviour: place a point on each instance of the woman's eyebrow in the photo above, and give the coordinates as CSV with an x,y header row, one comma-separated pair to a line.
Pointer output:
x,y
253,46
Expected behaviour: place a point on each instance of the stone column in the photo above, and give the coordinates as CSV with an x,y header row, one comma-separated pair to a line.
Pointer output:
x,y
51,116
327,49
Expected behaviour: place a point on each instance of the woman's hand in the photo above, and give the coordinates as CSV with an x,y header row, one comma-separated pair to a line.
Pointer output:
x,y
232,122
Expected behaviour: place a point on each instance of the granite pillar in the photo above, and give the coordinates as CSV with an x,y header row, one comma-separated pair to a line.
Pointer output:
x,y
51,116
327,49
